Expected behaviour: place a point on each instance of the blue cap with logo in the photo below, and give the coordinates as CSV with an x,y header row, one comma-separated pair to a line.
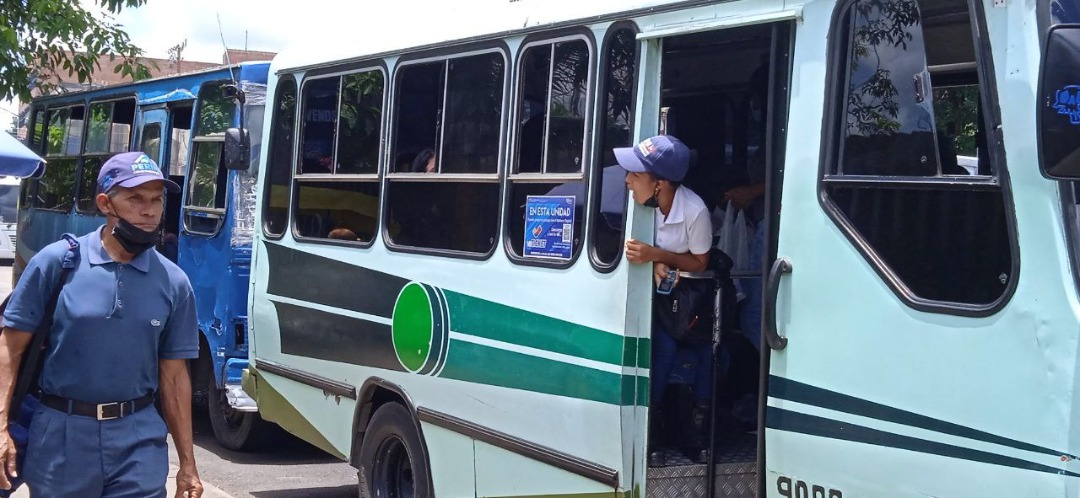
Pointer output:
x,y
130,170
663,155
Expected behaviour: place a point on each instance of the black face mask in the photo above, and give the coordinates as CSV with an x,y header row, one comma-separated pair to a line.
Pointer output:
x,y
134,239
652,202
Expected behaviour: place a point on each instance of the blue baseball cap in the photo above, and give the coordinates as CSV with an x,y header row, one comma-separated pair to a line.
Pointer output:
x,y
130,170
663,155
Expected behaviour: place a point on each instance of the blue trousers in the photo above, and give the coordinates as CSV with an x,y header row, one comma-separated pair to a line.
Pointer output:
x,y
664,350
76,456
750,317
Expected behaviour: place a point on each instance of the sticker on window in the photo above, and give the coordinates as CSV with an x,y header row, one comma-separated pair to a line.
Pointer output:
x,y
549,226
1068,103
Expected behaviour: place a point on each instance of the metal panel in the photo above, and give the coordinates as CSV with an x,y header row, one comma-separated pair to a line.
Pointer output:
x,y
736,474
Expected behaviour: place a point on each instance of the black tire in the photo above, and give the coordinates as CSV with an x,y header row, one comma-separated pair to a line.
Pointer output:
x,y
236,430
391,460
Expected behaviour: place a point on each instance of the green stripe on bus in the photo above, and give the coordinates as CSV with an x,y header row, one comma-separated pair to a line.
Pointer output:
x,y
497,367
481,318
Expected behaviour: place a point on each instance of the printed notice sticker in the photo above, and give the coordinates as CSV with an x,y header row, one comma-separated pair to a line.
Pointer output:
x,y
549,226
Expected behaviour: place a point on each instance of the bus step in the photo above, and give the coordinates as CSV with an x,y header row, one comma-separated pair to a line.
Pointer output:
x,y
736,475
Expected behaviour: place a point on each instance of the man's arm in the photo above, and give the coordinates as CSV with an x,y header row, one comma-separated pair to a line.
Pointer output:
x,y
175,388
13,344
640,252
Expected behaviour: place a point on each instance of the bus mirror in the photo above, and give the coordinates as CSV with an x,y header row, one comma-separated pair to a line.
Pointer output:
x,y
1059,104
237,149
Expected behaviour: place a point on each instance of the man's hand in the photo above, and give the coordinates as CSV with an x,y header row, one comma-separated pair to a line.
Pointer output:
x,y
188,483
742,197
639,252
7,459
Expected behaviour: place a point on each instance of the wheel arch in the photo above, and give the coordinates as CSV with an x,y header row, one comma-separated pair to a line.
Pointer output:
x,y
377,392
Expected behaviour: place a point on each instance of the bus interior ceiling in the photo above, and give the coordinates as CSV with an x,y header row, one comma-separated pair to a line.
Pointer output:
x,y
708,81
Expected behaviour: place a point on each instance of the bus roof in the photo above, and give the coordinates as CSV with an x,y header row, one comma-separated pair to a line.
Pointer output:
x,y
390,27
154,87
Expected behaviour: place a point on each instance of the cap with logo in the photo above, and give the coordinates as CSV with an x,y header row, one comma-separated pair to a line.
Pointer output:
x,y
663,155
129,170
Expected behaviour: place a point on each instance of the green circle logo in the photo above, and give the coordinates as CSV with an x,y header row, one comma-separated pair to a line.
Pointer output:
x,y
420,328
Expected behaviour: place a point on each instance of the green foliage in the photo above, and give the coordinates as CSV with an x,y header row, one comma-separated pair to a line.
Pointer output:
x,y
215,110
956,110
872,107
43,40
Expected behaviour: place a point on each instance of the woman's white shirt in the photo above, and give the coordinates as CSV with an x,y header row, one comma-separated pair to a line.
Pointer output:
x,y
687,228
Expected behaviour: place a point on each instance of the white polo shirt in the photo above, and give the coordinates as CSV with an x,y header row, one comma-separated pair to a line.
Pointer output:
x,y
687,227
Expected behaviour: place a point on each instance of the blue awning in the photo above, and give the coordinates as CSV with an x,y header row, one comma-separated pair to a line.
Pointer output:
x,y
17,159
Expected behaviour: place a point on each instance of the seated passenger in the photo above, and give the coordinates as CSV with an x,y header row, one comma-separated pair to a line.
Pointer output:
x,y
656,167
342,234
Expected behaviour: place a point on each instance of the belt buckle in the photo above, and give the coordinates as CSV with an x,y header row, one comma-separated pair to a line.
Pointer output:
x,y
101,411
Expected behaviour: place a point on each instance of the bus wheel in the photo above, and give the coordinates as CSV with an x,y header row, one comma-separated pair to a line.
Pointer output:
x,y
233,429
391,458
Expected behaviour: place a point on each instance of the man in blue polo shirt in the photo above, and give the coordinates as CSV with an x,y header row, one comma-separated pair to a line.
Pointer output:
x,y
123,330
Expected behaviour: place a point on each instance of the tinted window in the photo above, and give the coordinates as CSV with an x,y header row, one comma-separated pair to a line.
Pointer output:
x,y
455,216
56,187
109,128
474,103
207,182
179,139
617,104
88,184
360,123
151,141
341,141
551,123
64,135
279,160
448,120
912,127
216,111
320,125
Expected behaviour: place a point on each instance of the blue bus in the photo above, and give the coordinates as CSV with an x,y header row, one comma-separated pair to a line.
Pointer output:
x,y
180,121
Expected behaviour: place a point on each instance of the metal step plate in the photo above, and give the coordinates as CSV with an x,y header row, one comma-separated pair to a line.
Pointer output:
x,y
736,473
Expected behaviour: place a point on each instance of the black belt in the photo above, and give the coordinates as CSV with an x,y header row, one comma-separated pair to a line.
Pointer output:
x,y
100,411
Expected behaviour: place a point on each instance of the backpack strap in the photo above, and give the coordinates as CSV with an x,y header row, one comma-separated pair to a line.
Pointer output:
x,y
33,361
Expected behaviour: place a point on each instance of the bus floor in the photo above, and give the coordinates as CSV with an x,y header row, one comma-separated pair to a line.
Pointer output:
x,y
736,472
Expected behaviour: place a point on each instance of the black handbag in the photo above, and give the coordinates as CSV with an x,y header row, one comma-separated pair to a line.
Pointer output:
x,y
687,313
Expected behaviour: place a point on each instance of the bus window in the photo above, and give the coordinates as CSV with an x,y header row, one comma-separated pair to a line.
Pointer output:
x,y
443,190
56,187
216,111
615,130
108,132
38,130
207,186
279,160
180,137
337,188
551,140
910,176
151,140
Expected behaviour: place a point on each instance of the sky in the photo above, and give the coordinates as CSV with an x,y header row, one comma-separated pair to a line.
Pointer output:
x,y
263,25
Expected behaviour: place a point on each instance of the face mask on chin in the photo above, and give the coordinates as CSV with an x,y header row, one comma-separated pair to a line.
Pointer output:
x,y
133,239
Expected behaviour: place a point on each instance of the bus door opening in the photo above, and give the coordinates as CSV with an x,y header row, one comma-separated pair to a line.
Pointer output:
x,y
715,97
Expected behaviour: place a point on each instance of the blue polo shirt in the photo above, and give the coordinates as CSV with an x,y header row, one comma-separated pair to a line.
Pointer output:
x,y
113,321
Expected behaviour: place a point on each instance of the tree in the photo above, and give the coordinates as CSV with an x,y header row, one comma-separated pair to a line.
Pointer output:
x,y
41,40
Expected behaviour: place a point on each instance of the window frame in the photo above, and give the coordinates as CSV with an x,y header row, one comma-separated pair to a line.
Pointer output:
x,y
105,156
588,148
270,154
596,174
298,133
498,47
834,108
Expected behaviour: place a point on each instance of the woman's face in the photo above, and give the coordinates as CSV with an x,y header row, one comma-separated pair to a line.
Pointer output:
x,y
642,186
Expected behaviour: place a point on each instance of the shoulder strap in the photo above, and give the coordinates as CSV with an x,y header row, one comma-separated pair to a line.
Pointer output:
x,y
30,368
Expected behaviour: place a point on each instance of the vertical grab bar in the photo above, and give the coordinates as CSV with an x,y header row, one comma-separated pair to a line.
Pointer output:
x,y
776,341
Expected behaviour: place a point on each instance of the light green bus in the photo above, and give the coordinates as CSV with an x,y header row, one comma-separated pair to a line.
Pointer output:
x,y
919,330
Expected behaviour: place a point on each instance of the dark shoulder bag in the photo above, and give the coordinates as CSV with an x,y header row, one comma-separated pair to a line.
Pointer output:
x,y
687,313
29,373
